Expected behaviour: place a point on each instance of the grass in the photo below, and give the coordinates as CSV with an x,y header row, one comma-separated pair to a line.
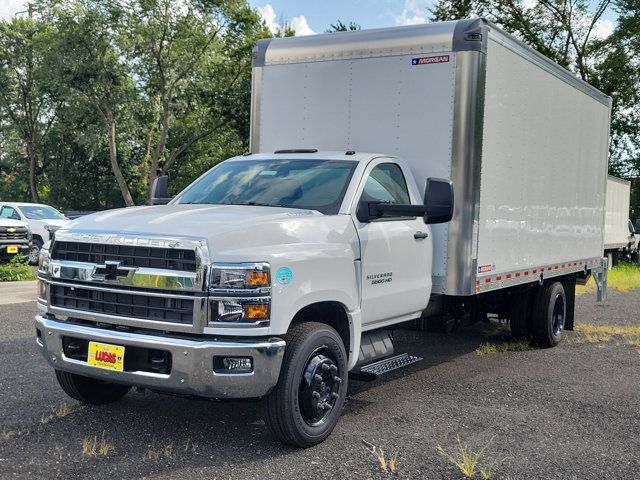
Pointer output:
x,y
590,333
97,447
469,462
17,269
624,277
486,348
154,453
60,411
387,465
190,446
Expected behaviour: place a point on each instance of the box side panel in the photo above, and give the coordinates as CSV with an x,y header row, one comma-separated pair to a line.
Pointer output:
x,y
544,166
616,225
391,105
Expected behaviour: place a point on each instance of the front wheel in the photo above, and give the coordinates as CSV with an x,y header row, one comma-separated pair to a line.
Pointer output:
x,y
305,405
34,251
89,390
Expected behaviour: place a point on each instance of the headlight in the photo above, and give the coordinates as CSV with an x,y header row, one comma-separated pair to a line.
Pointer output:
x,y
241,276
43,261
240,294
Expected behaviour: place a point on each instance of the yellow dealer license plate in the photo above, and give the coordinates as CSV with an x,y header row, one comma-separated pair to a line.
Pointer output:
x,y
104,355
12,249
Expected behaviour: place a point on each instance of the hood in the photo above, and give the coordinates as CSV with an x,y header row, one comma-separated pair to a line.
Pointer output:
x,y
8,222
55,222
230,230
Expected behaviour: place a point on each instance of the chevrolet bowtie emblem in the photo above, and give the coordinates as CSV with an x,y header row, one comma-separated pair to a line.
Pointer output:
x,y
112,271
11,229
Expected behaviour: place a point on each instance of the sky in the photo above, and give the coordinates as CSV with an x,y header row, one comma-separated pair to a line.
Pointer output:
x,y
315,16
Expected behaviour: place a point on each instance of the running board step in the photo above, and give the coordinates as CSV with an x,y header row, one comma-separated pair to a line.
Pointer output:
x,y
373,370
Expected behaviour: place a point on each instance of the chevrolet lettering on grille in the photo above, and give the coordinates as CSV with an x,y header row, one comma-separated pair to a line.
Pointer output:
x,y
112,271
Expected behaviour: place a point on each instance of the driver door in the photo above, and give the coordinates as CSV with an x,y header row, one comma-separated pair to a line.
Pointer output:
x,y
395,252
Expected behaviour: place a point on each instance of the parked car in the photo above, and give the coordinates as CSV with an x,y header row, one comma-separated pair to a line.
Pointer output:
x,y
42,220
14,238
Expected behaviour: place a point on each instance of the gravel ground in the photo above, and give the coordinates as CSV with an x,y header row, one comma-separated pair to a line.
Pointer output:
x,y
565,413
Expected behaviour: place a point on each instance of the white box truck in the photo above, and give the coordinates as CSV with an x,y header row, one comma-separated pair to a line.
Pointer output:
x,y
619,233
277,273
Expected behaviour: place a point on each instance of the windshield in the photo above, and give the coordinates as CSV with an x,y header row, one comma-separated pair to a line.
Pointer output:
x,y
307,184
41,212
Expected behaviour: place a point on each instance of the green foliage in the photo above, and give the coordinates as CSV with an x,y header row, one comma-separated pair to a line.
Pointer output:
x,y
340,26
126,90
17,269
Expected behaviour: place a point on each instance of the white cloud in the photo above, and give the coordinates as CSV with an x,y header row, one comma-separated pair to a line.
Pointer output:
x,y
529,3
8,8
270,17
300,26
268,14
602,29
414,13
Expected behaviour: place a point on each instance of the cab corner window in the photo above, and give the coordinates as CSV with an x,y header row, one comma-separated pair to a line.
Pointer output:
x,y
9,212
386,184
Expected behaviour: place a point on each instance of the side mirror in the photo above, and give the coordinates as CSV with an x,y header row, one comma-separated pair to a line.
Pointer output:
x,y
438,200
159,191
437,208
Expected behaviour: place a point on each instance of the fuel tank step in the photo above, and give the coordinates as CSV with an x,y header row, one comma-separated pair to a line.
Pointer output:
x,y
373,370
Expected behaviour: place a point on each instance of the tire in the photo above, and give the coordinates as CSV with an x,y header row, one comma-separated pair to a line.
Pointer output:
x,y
34,251
89,390
290,408
549,314
520,314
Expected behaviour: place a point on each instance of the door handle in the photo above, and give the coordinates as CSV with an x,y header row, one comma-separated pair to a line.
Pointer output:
x,y
420,235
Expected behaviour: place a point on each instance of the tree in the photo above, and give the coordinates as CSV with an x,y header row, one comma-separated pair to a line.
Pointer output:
x,y
173,47
25,102
88,66
339,26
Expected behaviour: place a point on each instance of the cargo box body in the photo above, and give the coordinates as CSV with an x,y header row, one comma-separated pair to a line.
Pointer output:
x,y
524,142
616,228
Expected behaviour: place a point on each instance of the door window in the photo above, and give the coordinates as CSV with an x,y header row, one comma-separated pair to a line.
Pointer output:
x,y
9,212
386,184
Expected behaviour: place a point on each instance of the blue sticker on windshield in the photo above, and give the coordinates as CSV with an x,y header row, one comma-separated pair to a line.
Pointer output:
x,y
284,275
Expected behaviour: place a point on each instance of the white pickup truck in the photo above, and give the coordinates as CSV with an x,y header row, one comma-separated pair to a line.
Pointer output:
x,y
275,274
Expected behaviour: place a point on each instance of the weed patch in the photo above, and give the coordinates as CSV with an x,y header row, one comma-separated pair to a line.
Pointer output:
x,y
60,411
386,464
500,347
590,333
97,447
469,462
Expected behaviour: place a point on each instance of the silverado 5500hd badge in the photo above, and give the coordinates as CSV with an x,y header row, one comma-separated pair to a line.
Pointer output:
x,y
377,278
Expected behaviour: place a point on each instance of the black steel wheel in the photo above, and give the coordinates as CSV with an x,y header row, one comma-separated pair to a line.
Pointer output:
x,y
305,405
549,314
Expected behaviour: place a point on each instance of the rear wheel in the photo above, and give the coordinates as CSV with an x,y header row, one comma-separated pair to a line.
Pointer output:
x,y
549,314
306,403
89,390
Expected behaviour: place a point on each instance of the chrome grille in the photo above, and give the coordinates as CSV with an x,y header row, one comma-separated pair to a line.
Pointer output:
x,y
127,303
128,255
17,233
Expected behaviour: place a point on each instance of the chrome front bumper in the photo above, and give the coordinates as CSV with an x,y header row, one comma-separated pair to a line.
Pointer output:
x,y
192,361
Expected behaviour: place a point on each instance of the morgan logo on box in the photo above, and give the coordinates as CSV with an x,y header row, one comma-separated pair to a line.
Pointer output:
x,y
430,60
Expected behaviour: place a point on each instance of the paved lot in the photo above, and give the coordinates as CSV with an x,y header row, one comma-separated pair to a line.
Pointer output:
x,y
565,413
17,292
